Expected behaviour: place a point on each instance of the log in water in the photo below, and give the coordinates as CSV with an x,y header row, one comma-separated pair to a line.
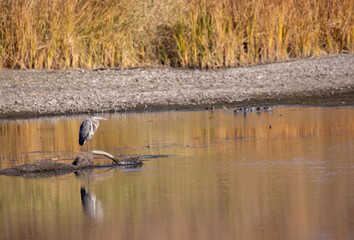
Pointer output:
x,y
82,161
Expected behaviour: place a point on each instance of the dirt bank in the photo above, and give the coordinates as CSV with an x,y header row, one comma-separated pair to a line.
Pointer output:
x,y
325,80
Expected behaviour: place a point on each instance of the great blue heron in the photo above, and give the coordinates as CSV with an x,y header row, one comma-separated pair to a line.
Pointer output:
x,y
88,128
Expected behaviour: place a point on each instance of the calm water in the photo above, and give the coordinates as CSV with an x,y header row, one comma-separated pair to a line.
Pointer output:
x,y
223,176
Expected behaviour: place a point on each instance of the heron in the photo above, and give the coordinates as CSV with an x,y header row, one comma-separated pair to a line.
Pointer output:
x,y
88,128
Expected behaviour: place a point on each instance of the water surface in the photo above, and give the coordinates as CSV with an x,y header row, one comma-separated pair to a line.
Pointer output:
x,y
288,174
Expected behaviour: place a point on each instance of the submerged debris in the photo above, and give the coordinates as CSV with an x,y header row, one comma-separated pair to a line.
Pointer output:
x,y
245,109
39,167
132,161
82,161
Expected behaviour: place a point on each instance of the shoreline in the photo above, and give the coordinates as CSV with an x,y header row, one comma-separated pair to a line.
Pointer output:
x,y
325,80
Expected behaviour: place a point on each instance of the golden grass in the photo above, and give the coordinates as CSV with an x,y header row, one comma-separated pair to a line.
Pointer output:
x,y
62,34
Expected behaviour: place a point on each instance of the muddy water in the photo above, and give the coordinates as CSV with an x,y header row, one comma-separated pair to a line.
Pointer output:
x,y
288,174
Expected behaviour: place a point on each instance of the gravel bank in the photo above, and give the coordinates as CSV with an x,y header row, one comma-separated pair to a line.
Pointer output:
x,y
327,80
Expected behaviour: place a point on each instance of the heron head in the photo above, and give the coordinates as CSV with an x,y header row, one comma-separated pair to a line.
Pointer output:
x,y
96,117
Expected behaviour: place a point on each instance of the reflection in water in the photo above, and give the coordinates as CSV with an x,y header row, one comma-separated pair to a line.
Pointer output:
x,y
92,206
227,176
84,174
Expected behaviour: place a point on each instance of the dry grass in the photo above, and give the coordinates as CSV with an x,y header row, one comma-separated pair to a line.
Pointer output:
x,y
65,34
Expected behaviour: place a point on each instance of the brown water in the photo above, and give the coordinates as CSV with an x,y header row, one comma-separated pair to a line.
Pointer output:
x,y
223,176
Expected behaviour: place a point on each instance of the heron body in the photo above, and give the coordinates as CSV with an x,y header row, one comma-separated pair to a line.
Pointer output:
x,y
88,128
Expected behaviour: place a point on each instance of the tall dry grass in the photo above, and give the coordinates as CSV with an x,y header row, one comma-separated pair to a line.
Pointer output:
x,y
65,34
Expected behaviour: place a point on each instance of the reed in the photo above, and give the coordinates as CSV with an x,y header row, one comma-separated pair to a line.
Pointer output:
x,y
63,34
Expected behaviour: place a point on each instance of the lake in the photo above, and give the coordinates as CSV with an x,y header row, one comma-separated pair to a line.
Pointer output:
x,y
285,174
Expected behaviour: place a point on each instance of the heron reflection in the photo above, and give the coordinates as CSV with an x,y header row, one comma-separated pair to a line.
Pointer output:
x,y
92,206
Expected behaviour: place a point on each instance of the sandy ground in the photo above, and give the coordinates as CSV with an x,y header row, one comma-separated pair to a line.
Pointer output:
x,y
29,93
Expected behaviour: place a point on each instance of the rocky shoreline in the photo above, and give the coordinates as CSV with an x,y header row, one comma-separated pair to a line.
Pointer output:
x,y
31,93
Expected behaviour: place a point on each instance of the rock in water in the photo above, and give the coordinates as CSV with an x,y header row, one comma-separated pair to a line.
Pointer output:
x,y
84,160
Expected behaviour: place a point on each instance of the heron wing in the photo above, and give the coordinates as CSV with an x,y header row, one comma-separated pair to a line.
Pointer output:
x,y
85,129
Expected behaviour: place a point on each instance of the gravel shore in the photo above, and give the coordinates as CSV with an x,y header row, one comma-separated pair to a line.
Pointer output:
x,y
29,93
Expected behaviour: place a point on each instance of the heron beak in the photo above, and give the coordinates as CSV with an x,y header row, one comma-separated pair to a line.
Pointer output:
x,y
101,118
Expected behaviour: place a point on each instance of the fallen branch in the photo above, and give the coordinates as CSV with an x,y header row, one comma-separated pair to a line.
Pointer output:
x,y
106,154
86,159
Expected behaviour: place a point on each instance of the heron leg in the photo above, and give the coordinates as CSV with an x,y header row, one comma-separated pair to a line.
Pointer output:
x,y
87,146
